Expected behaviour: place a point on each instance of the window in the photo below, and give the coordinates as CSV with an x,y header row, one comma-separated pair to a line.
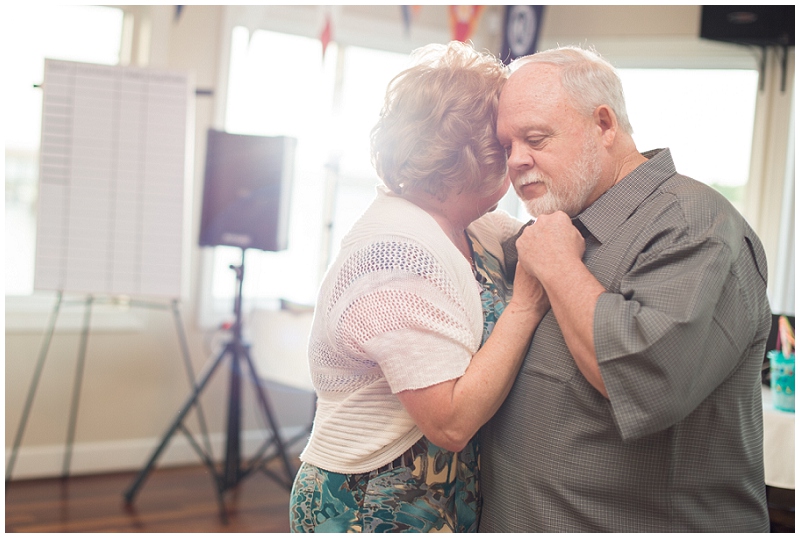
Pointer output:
x,y
329,104
78,33
705,117
272,93
332,104
362,93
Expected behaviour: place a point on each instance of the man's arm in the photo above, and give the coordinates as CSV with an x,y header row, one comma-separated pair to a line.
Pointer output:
x,y
552,250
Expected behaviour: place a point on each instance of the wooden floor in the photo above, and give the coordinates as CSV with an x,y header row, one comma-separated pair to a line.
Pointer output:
x,y
781,509
170,500
185,500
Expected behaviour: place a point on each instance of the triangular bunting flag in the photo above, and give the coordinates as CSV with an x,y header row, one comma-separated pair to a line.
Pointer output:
x,y
409,14
327,33
463,20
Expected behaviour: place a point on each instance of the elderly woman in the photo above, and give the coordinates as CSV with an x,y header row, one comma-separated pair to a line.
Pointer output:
x,y
400,356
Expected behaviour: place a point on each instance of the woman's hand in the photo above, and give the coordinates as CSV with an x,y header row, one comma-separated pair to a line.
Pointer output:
x,y
529,293
450,413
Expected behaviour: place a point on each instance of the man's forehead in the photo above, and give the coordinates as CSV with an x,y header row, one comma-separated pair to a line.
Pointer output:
x,y
532,81
531,90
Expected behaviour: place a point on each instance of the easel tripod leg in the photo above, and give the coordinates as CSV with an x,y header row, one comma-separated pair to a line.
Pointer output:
x,y
76,388
37,373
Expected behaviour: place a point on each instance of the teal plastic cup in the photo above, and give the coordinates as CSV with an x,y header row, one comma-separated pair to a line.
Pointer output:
x,y
781,380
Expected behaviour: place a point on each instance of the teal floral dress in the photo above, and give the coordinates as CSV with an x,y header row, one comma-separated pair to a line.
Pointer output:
x,y
427,489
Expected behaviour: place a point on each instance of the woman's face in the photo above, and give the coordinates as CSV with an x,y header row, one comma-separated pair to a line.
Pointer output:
x,y
488,202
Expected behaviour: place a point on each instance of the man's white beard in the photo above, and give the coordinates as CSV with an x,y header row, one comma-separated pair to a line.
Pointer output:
x,y
569,193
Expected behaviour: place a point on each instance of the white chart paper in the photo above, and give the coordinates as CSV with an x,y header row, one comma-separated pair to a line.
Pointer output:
x,y
111,180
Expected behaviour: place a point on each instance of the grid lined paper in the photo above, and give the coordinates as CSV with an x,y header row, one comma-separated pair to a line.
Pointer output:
x,y
112,176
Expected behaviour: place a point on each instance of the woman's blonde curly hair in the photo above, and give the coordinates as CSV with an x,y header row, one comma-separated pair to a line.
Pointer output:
x,y
436,133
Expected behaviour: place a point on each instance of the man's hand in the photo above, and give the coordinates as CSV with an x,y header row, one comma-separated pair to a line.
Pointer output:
x,y
552,250
546,246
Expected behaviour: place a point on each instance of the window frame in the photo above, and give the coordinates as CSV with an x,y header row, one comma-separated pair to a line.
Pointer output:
x,y
350,31
763,190
34,312
631,52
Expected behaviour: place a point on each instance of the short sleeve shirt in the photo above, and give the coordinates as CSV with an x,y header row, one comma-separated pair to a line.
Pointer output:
x,y
679,337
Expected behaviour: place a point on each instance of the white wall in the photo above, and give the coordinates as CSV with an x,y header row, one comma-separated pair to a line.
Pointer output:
x,y
135,379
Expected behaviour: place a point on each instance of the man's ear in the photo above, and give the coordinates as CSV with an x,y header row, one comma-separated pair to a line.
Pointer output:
x,y
606,121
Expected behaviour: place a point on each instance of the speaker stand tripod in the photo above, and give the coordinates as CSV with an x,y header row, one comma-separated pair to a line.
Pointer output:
x,y
234,469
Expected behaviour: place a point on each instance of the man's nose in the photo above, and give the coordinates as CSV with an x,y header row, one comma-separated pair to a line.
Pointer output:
x,y
519,158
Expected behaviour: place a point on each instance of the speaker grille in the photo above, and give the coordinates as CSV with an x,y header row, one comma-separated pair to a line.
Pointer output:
x,y
749,25
247,189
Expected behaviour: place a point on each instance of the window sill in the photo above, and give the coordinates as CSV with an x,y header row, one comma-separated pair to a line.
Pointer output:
x,y
34,313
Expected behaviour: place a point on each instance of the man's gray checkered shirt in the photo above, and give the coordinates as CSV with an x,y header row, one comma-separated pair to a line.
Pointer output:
x,y
680,338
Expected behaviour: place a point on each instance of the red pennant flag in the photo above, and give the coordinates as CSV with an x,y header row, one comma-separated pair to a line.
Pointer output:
x,y
463,20
325,36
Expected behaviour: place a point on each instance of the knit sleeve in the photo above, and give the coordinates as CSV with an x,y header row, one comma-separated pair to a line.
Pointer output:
x,y
396,307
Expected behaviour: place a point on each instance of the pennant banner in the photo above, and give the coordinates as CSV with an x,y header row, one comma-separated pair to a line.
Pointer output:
x,y
326,34
463,20
521,31
409,15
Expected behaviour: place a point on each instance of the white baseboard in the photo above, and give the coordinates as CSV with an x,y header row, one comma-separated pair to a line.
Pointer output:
x,y
133,454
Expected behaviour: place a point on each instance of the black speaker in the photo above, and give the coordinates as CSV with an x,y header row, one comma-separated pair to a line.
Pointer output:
x,y
247,191
763,26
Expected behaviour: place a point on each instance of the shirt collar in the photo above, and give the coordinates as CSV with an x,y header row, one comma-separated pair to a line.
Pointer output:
x,y
612,209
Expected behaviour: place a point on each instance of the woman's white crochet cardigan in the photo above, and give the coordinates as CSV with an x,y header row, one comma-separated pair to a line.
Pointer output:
x,y
398,309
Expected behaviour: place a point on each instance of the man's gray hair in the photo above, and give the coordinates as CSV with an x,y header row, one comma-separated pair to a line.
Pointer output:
x,y
588,79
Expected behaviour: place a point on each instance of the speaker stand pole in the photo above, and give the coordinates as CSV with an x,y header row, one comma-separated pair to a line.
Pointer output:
x,y
240,351
233,445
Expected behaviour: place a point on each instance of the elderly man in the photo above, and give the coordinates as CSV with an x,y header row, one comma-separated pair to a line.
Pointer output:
x,y
638,406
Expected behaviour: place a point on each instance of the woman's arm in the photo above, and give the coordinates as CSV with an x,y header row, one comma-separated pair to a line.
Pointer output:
x,y
450,413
